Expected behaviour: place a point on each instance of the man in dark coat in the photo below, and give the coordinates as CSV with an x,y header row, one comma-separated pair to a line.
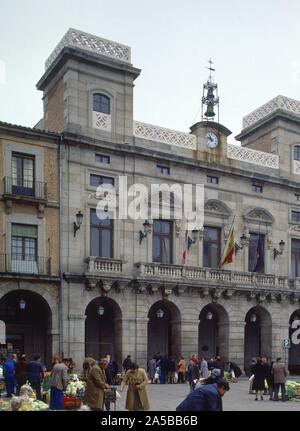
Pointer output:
x,y
127,363
9,369
193,374
235,368
206,398
35,372
260,375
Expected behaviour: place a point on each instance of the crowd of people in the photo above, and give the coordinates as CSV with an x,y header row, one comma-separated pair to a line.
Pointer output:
x,y
163,369
262,371
205,379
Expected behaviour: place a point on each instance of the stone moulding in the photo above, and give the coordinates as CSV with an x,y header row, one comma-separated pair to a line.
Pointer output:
x,y
279,102
163,135
256,157
97,45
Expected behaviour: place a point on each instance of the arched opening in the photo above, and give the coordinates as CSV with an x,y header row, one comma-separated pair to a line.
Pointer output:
x,y
27,317
294,351
103,329
213,332
164,329
258,334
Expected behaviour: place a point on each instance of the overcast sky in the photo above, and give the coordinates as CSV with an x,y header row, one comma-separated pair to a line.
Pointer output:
x,y
254,44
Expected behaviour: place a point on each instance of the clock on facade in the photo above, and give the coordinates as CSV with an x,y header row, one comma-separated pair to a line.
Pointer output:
x,y
211,139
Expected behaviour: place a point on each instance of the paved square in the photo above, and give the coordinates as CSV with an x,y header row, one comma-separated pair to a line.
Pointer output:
x,y
167,397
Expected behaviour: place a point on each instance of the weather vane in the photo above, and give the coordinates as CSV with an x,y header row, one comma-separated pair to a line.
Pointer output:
x,y
209,98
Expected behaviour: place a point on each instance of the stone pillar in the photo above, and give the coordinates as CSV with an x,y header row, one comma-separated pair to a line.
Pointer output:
x,y
189,338
223,340
129,338
77,339
141,340
236,342
279,333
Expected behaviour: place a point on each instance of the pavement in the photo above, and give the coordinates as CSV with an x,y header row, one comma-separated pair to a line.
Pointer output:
x,y
167,397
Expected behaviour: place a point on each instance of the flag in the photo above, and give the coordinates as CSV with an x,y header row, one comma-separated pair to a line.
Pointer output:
x,y
229,250
184,254
259,261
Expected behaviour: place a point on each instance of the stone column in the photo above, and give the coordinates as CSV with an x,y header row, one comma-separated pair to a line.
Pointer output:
x,y
189,337
129,338
77,339
236,342
223,340
279,333
141,340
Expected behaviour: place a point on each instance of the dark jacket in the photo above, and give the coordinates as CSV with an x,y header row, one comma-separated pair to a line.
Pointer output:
x,y
204,399
35,371
260,375
193,373
9,368
21,372
127,364
236,369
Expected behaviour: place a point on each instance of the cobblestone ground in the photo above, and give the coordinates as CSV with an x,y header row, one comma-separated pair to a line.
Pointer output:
x,y
167,397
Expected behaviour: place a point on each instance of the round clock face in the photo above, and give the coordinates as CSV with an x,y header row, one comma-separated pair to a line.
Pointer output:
x,y
211,139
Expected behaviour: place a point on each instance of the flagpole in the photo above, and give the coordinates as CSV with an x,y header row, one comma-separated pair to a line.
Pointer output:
x,y
225,245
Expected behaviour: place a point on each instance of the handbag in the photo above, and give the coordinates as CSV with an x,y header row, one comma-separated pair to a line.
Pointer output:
x,y
251,378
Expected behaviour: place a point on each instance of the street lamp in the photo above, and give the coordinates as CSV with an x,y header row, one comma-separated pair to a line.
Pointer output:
x,y
194,237
100,310
209,315
281,249
22,304
253,318
160,313
78,223
237,247
147,229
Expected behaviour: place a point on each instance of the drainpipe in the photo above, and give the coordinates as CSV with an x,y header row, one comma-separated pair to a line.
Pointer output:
x,y
61,302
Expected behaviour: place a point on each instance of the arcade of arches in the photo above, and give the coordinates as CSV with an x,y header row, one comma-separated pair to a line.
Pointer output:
x,y
28,329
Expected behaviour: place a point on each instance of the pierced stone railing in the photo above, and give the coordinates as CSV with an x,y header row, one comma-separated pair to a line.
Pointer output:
x,y
163,135
279,102
98,264
248,155
102,121
186,273
79,39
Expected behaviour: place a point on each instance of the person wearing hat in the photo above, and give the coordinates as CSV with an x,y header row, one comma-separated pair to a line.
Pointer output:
x,y
214,377
21,372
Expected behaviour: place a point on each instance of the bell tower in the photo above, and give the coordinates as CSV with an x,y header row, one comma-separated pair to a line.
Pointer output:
x,y
211,135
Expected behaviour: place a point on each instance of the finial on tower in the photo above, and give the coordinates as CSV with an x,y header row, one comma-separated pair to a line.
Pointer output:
x,y
209,98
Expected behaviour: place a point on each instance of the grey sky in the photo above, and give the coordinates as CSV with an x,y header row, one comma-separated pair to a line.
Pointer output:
x,y
254,44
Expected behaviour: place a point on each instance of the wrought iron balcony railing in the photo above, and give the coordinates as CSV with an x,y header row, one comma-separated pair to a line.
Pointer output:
x,y
24,188
20,264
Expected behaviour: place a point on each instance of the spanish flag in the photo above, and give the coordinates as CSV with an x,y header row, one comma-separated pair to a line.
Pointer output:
x,y
229,250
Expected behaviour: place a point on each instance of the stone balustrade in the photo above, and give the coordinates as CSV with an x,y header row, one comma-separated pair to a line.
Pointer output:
x,y
100,265
214,276
248,155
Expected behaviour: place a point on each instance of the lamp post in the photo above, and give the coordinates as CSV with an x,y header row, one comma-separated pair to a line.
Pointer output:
x,y
281,249
22,304
209,315
253,318
147,229
194,237
238,247
100,310
160,313
78,223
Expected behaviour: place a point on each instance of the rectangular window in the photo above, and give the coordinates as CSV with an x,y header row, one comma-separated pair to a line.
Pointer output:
x,y
295,257
102,159
296,152
257,188
256,257
211,247
162,241
101,236
22,175
164,170
212,180
297,196
296,216
96,180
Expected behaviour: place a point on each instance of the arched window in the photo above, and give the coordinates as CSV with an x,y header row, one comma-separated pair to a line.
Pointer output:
x,y
297,152
101,103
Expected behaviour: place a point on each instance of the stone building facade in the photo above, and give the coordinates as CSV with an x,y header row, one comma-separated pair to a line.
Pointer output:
x,y
125,288
29,250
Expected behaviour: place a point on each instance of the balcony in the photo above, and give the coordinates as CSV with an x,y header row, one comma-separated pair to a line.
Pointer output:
x,y
24,190
209,276
101,265
16,264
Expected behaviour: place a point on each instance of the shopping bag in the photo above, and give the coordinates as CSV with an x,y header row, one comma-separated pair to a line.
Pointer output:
x,y
176,377
251,378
